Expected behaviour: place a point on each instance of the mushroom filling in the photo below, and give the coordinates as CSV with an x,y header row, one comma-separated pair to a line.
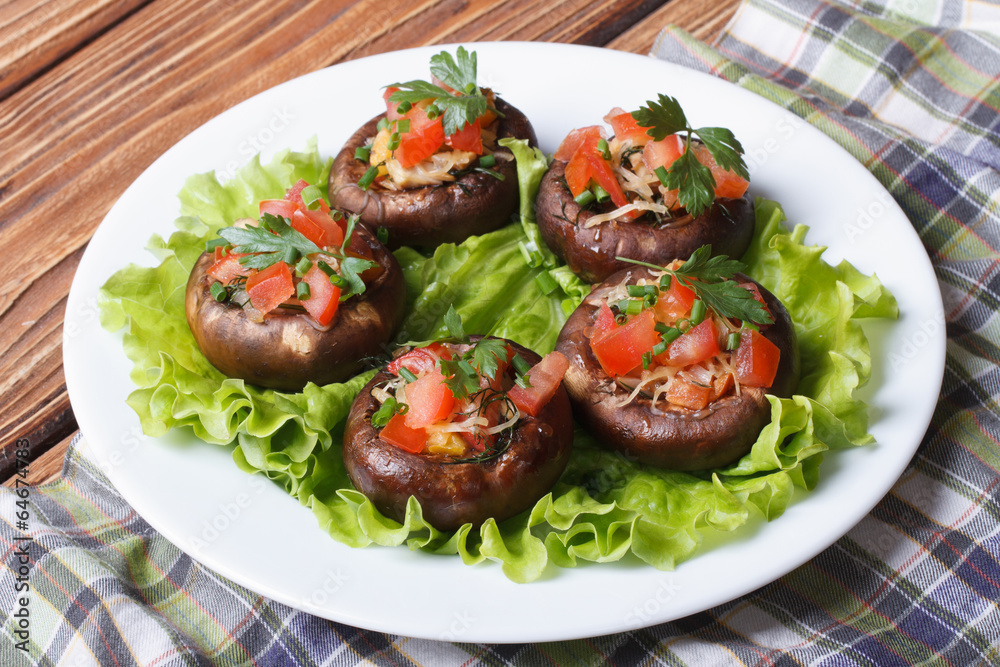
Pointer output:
x,y
461,401
433,132
299,255
688,336
654,164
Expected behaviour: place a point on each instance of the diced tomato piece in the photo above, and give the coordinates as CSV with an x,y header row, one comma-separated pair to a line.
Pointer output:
x,y
469,138
279,207
576,138
430,400
696,344
756,295
620,349
757,359
674,303
728,184
228,268
604,322
390,107
626,128
721,386
318,227
420,360
604,175
294,195
687,394
545,377
423,139
398,433
271,287
578,173
324,297
663,153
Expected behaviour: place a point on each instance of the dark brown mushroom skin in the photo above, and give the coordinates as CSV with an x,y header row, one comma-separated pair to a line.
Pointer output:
x,y
427,216
287,350
671,437
728,225
453,494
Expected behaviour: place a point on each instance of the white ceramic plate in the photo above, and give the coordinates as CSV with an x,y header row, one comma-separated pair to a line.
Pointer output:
x,y
255,534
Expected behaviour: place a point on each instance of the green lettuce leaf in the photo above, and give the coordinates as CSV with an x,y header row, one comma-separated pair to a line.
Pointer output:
x,y
604,506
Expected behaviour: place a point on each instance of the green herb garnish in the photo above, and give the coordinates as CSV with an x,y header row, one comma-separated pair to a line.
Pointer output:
x,y
693,181
709,278
460,108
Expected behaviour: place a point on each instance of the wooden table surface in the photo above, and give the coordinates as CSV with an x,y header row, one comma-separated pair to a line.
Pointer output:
x,y
92,91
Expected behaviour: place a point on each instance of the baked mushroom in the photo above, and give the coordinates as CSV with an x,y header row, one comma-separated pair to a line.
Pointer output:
x,y
430,170
284,300
470,447
653,200
667,379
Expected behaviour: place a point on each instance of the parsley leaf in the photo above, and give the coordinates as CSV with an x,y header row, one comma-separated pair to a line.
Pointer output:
x,y
702,266
271,246
453,321
693,181
350,268
663,118
458,72
485,355
460,108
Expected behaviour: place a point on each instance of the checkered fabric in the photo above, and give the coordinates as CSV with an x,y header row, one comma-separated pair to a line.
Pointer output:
x,y
910,88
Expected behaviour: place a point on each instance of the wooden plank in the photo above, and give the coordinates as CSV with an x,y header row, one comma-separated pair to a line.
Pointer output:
x,y
704,20
35,35
43,468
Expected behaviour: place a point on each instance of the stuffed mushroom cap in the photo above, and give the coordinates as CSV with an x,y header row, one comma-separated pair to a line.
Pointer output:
x,y
668,436
452,494
429,215
289,349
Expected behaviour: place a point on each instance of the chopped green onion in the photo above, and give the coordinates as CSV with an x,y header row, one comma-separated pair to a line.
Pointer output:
x,y
647,359
393,141
660,327
697,312
601,194
403,107
604,149
487,161
642,290
634,307
326,268
382,124
407,374
218,291
383,234
302,268
665,282
339,281
312,196
661,173
402,408
750,325
546,282
363,153
660,348
670,335
520,365
584,198
523,381
683,325
403,125
365,181
733,341
432,112
302,291
385,412
290,257
215,243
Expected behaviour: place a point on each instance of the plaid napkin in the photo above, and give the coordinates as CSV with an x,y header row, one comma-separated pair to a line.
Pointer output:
x,y
910,88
